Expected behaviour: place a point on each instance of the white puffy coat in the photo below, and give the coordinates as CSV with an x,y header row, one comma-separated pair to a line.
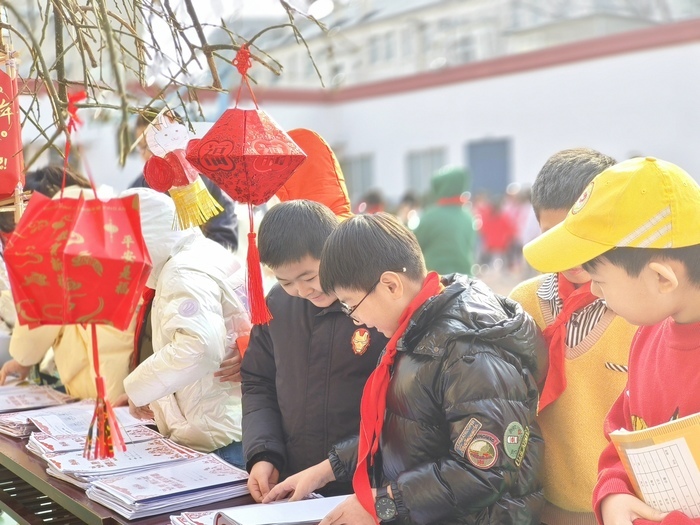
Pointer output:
x,y
197,315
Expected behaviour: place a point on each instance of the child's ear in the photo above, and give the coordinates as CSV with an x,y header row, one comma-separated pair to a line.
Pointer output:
x,y
393,283
666,277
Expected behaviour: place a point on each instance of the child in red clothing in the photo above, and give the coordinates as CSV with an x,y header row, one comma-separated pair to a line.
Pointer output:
x,y
635,230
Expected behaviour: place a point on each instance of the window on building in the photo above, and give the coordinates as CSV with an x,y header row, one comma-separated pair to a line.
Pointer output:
x,y
374,49
359,175
389,46
407,42
464,50
420,167
292,68
309,69
489,164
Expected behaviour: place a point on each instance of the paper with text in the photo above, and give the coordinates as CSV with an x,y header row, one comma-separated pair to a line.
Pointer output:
x,y
662,463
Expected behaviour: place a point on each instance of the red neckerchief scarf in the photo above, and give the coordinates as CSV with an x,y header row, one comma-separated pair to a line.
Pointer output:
x,y
373,401
573,299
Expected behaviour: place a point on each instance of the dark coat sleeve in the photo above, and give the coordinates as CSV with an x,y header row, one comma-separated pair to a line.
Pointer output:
x,y
263,436
139,182
474,384
343,458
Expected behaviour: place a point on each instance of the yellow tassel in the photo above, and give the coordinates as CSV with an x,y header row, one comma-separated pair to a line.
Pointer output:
x,y
194,204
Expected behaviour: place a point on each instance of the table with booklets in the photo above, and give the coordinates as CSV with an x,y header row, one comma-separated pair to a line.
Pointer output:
x,y
30,496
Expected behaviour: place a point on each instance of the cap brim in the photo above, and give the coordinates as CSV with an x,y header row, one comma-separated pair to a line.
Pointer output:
x,y
557,250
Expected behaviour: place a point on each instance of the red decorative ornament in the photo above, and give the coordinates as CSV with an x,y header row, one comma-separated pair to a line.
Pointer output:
x,y
249,157
77,261
11,159
80,261
246,154
168,170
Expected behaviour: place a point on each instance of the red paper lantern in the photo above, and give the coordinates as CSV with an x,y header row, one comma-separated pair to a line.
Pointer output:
x,y
246,154
78,261
249,157
320,178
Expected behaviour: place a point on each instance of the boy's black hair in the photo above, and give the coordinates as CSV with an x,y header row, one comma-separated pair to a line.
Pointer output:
x,y
293,230
633,260
564,176
362,248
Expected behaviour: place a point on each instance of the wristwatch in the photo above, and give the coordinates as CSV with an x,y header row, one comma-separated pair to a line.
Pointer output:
x,y
384,505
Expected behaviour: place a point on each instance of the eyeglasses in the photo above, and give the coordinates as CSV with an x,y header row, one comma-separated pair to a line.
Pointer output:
x,y
349,310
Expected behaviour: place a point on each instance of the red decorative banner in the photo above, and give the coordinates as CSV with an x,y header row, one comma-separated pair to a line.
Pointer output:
x,y
11,159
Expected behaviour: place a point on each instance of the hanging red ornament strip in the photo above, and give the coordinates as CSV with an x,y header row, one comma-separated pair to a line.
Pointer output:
x,y
11,157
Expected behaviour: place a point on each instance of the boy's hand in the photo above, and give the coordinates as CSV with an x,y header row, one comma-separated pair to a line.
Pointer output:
x,y
230,369
302,484
349,512
143,412
13,368
623,509
263,477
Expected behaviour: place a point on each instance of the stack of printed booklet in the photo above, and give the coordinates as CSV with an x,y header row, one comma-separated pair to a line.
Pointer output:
x,y
153,476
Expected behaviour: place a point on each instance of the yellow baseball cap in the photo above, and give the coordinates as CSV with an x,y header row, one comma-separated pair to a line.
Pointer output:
x,y
640,203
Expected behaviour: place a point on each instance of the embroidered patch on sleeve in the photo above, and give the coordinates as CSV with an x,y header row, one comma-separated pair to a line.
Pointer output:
x,y
483,450
188,308
523,445
465,438
512,438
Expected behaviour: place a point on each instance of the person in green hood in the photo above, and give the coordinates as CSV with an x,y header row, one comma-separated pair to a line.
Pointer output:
x,y
446,231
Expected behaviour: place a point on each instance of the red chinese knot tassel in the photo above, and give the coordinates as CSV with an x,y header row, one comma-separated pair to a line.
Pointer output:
x,y
104,432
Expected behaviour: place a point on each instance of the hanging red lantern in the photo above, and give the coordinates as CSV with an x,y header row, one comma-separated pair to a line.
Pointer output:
x,y
80,261
320,178
249,157
77,261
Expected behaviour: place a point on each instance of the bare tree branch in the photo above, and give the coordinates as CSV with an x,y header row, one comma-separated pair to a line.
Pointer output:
x,y
108,50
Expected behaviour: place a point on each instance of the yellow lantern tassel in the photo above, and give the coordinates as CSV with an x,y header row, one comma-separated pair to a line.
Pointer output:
x,y
194,204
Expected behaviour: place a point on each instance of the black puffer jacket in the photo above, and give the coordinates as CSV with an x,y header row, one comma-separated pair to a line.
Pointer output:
x,y
464,374
302,383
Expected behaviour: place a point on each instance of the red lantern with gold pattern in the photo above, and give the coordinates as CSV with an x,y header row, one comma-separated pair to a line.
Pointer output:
x,y
78,261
